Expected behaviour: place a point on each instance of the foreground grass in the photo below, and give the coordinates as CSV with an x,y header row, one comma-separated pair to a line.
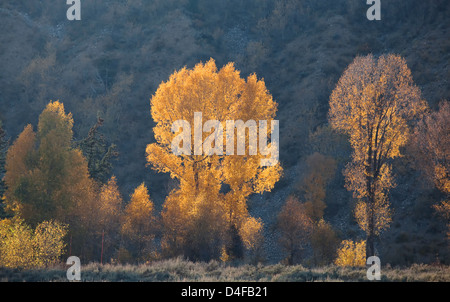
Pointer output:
x,y
180,270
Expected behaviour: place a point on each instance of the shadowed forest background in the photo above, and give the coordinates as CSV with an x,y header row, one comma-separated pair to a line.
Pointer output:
x,y
110,64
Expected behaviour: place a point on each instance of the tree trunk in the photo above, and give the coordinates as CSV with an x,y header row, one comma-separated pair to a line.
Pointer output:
x,y
370,180
194,166
370,249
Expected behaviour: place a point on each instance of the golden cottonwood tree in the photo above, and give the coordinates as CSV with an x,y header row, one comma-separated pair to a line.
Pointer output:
x,y
373,103
138,222
251,233
110,204
46,177
223,181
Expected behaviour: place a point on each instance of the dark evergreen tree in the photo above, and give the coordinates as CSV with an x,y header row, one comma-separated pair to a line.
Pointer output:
x,y
98,154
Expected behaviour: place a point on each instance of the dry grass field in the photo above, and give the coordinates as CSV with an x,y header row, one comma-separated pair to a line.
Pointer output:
x,y
178,270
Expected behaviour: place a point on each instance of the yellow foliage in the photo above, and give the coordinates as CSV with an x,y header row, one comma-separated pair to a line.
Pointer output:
x,y
224,257
54,118
444,209
110,204
16,166
442,177
138,222
251,233
138,213
372,103
351,253
219,95
48,242
46,177
195,226
16,245
21,247
380,211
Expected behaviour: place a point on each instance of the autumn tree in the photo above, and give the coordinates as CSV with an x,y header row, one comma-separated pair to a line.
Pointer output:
x,y
320,170
373,103
84,239
138,223
206,245
110,206
295,227
252,236
312,188
45,176
432,147
184,234
324,242
208,166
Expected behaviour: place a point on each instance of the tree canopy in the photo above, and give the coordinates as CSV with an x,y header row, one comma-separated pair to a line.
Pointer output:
x,y
374,103
219,95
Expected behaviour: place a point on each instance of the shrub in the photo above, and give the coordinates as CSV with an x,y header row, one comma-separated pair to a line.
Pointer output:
x,y
48,244
295,227
21,247
251,233
16,246
324,242
351,253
